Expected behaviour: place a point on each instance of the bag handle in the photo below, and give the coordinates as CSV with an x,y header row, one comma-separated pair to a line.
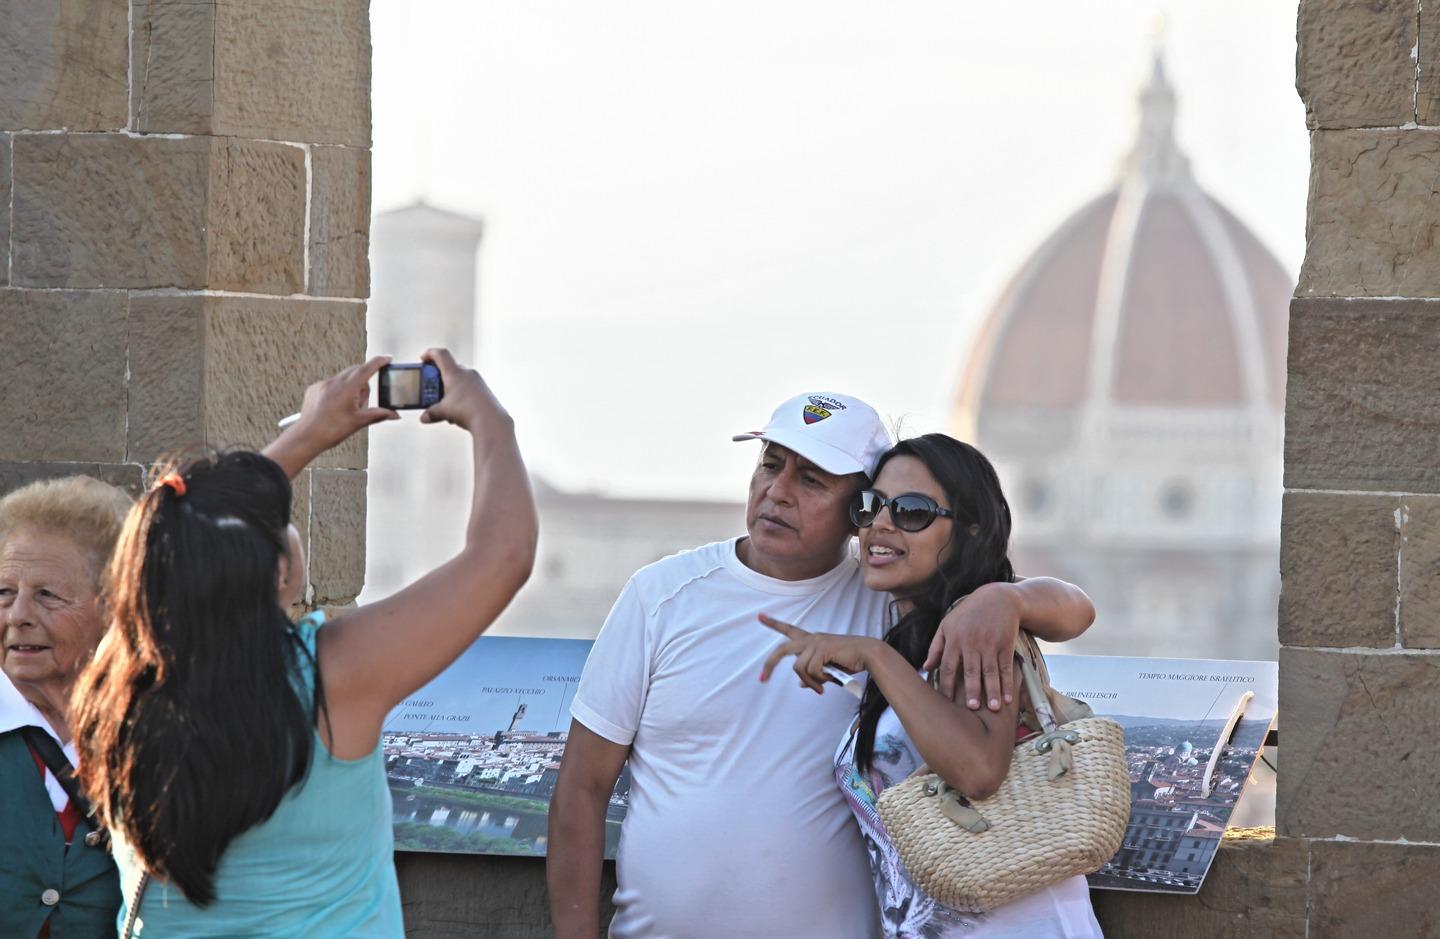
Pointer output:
x,y
1054,738
1038,686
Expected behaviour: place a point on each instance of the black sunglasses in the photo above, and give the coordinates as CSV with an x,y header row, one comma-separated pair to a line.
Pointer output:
x,y
910,511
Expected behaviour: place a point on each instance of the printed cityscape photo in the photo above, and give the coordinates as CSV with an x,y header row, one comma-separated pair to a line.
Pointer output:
x,y
472,757
1174,713
481,793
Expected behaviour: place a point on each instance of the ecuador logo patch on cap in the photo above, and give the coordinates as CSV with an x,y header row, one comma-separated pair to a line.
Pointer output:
x,y
814,413
820,407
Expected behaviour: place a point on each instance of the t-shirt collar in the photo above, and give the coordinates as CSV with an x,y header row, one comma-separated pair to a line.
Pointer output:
x,y
791,588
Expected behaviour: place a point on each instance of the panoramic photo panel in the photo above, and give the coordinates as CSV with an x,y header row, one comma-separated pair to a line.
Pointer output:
x,y
1194,732
473,756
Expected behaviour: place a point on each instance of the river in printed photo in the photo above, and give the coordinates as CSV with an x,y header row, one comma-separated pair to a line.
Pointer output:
x,y
492,823
428,823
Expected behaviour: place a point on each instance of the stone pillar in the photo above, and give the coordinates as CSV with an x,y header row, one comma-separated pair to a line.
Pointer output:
x,y
184,229
1360,558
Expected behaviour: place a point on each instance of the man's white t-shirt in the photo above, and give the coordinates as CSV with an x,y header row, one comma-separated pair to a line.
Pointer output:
x,y
735,826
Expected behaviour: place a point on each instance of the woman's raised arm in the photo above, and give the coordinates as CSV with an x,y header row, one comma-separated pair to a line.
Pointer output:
x,y
373,656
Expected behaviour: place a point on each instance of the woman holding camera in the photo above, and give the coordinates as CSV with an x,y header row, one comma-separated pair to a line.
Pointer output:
x,y
934,528
236,756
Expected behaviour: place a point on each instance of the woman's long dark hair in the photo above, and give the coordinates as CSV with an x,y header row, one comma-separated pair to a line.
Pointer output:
x,y
189,722
976,554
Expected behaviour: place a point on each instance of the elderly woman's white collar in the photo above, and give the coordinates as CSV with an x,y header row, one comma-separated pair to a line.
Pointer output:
x,y
16,712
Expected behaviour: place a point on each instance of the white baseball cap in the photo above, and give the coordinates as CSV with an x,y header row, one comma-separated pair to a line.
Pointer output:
x,y
836,432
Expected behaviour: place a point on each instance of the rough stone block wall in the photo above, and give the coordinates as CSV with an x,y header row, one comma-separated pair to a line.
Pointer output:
x,y
184,231
455,896
1258,888
184,216
1360,559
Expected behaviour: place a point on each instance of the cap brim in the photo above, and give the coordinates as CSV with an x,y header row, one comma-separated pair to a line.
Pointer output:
x,y
828,458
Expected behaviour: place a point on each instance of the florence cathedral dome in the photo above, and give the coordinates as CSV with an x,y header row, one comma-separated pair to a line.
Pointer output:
x,y
1129,385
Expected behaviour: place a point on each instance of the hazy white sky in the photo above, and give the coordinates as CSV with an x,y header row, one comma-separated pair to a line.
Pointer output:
x,y
697,209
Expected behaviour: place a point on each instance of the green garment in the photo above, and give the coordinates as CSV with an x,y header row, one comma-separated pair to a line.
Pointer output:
x,y
36,860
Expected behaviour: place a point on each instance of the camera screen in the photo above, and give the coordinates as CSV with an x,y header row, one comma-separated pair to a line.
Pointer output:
x,y
404,387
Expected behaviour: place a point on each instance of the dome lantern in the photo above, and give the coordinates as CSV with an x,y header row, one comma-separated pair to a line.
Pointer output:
x,y
1156,158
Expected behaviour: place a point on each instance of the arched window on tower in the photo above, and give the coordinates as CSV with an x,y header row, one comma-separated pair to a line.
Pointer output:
x,y
1177,499
1036,497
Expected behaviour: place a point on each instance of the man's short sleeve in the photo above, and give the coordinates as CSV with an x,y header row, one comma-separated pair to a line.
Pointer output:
x,y
616,678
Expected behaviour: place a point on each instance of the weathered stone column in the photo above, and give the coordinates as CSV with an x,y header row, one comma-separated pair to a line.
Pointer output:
x,y
184,219
1360,606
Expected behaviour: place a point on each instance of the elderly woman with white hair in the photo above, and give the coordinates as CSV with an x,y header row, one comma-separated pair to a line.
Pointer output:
x,y
56,536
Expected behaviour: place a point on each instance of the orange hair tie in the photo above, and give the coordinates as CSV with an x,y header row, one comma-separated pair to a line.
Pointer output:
x,y
174,481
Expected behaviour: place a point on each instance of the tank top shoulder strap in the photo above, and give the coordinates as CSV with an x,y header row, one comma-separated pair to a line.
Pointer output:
x,y
306,661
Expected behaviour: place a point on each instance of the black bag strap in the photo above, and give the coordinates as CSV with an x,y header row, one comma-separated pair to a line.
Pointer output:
x,y
59,765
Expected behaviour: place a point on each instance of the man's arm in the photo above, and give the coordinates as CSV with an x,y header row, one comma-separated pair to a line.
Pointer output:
x,y
576,846
976,639
1051,609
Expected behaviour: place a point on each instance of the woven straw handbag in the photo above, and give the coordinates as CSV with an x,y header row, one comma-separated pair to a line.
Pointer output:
x,y
1061,811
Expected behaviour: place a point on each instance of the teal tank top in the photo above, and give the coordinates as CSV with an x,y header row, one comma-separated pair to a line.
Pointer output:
x,y
322,866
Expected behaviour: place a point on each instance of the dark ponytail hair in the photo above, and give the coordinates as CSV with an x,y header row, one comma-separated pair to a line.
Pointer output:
x,y
976,554
190,721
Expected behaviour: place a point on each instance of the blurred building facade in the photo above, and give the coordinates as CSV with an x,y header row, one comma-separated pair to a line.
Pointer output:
x,y
1129,385
591,543
423,266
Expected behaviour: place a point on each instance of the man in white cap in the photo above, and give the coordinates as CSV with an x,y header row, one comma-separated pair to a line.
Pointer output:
x,y
735,827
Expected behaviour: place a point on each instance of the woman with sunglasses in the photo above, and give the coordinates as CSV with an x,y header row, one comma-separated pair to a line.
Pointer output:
x,y
934,529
